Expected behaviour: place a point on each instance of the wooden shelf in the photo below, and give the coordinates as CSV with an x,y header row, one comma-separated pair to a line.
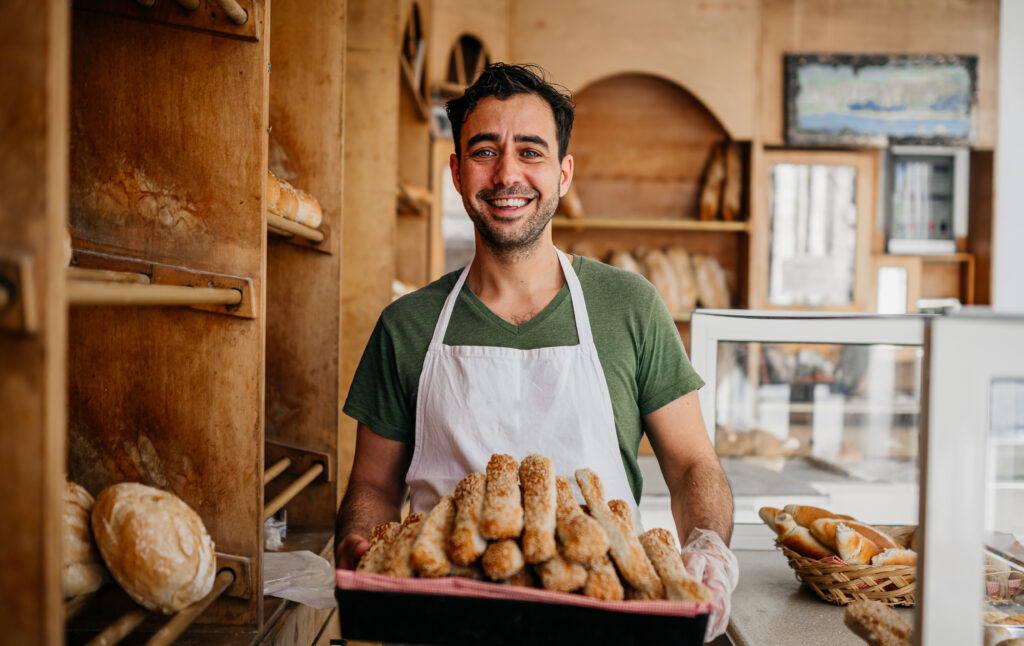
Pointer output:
x,y
655,225
946,257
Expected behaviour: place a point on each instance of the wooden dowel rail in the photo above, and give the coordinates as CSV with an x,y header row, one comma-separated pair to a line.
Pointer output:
x,y
276,470
87,292
281,232
292,490
177,625
120,629
234,11
294,228
190,5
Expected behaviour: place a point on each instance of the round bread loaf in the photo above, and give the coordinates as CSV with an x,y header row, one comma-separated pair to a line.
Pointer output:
x,y
82,571
155,546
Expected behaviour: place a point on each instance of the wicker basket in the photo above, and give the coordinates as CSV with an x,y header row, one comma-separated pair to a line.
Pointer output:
x,y
893,585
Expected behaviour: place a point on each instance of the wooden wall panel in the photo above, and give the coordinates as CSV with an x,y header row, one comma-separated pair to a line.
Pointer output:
x,y
168,163
487,20
371,167
640,146
980,226
307,85
709,48
879,27
33,214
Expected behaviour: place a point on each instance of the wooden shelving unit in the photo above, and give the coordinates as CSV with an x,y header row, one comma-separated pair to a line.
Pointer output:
x,y
650,224
203,337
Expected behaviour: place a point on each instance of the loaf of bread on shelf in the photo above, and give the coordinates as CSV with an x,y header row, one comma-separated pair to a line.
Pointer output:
x,y
540,504
82,568
430,550
155,545
824,529
465,544
712,287
502,515
273,193
877,624
686,281
711,188
585,248
308,212
663,276
732,191
625,548
625,260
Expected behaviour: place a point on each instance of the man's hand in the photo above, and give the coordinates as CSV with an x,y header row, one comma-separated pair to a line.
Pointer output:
x,y
708,559
349,551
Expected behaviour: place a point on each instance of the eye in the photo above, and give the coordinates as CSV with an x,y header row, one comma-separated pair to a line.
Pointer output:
x,y
532,154
482,152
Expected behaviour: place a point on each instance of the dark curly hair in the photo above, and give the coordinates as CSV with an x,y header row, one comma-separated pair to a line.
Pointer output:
x,y
502,80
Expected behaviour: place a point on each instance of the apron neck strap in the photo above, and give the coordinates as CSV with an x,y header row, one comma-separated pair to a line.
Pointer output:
x,y
579,307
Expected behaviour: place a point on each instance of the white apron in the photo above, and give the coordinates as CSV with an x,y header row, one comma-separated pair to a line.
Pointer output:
x,y
477,400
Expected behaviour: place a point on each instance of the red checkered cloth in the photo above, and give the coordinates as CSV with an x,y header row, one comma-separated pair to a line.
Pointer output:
x,y
454,586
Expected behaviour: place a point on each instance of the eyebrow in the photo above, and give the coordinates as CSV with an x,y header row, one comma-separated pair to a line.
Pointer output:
x,y
493,137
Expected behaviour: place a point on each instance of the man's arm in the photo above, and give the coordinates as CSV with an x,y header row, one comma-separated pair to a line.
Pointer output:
x,y
700,494
375,493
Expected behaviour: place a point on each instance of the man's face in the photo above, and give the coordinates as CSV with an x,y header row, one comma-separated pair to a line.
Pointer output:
x,y
510,177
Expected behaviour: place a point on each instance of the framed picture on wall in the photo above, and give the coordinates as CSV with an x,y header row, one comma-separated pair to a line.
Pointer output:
x,y
877,100
813,250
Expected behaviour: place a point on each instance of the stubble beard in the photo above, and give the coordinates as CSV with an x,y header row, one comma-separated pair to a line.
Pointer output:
x,y
515,246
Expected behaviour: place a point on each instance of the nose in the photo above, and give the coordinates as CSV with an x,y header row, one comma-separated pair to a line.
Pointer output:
x,y
507,171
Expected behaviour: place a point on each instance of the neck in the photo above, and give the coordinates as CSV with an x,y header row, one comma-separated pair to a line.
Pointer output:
x,y
519,289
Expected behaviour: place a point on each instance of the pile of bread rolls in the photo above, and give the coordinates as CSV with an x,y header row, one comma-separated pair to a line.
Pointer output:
x,y
682,280
290,203
520,524
153,544
819,534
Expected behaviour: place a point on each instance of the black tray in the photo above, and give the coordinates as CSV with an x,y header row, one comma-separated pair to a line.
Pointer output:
x,y
441,620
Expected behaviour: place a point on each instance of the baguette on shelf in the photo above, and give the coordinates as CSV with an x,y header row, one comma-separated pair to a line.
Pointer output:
x,y
683,280
538,536
293,204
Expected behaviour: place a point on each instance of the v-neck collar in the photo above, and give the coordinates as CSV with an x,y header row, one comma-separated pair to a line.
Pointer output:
x,y
469,297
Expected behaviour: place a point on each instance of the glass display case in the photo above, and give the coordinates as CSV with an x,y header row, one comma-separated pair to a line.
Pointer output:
x,y
820,409
973,483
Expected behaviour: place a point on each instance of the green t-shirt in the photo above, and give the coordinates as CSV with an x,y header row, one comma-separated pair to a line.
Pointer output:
x,y
643,358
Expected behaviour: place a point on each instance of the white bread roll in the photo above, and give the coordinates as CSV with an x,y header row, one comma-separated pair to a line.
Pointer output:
x,y
155,545
82,570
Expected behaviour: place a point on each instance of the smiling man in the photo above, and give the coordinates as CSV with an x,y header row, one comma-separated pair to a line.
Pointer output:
x,y
527,350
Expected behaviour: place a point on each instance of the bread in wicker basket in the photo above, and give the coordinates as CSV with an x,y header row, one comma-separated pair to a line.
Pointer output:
x,y
844,560
841,584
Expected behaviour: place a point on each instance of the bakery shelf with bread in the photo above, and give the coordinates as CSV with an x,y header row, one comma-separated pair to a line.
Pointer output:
x,y
295,215
844,560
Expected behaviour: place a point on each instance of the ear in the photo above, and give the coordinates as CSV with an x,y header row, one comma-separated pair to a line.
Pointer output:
x,y
566,175
453,164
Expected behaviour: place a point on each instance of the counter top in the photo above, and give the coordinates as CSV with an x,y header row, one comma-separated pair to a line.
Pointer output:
x,y
771,608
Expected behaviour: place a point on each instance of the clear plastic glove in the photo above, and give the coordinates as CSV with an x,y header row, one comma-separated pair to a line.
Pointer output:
x,y
710,561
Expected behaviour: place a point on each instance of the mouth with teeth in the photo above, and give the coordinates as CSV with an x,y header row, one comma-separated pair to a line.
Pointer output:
x,y
508,206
